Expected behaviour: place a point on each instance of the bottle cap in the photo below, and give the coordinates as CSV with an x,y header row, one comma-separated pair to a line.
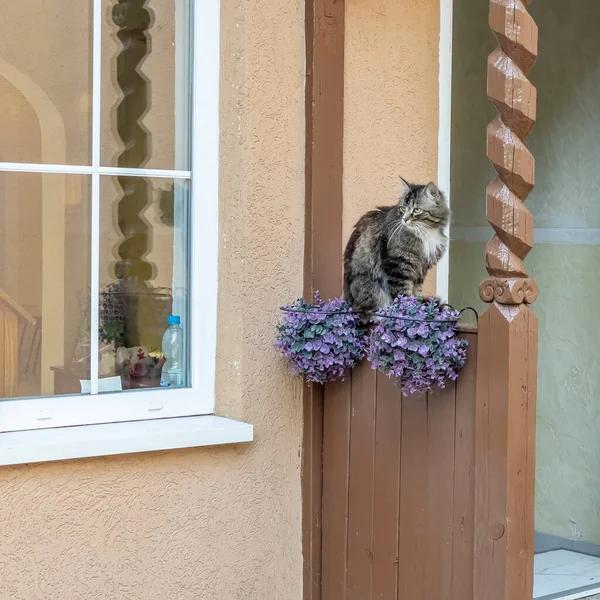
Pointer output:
x,y
174,320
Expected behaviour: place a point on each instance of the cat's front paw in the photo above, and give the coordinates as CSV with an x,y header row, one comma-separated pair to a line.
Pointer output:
x,y
375,319
437,300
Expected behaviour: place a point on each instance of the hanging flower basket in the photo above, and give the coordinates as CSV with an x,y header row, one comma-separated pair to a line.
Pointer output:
x,y
415,343
322,340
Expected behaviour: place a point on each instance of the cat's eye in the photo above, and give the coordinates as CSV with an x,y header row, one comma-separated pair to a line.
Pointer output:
x,y
402,209
417,211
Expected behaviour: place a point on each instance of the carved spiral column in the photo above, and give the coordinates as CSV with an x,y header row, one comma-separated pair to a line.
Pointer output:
x,y
132,269
515,98
507,359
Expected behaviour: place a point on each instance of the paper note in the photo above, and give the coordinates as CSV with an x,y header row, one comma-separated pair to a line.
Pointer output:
x,y
106,384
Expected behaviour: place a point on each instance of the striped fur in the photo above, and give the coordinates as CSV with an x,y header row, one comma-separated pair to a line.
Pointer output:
x,y
392,248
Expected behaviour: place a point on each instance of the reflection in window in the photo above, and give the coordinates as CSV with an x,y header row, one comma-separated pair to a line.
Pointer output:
x,y
75,253
44,278
143,275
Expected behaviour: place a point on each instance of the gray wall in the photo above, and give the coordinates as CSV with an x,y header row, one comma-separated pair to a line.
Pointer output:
x,y
566,258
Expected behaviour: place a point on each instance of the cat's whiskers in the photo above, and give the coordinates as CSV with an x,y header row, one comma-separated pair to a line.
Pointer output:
x,y
395,230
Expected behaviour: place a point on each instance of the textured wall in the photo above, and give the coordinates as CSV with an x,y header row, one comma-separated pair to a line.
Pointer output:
x,y
565,206
205,524
470,169
566,196
391,100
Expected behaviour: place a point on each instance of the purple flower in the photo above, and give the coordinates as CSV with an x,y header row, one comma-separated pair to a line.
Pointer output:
x,y
329,338
402,342
322,340
419,351
423,330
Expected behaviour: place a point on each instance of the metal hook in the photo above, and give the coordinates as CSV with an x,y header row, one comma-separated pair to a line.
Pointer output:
x,y
471,309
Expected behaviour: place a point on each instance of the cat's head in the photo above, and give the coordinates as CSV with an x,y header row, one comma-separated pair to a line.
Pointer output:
x,y
422,205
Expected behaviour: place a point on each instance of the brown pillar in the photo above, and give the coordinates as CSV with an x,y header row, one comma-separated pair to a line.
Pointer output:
x,y
507,359
323,246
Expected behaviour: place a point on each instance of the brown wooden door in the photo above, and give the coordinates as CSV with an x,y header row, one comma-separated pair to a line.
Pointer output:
x,y
398,489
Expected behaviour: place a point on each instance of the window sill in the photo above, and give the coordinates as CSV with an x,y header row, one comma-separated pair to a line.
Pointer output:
x,y
63,443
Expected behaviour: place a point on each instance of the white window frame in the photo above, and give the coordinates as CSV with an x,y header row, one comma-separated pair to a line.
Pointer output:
x,y
444,132
63,411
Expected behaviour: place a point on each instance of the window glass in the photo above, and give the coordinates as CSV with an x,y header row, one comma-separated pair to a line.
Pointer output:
x,y
145,92
143,280
94,265
46,82
44,281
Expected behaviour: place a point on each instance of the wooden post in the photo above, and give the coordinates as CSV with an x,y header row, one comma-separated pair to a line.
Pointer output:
x,y
10,313
323,242
507,359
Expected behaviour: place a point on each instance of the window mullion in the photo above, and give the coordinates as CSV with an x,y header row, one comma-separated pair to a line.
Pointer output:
x,y
95,213
181,240
95,282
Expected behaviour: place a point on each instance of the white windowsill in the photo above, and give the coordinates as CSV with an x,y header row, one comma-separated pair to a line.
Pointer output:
x,y
62,443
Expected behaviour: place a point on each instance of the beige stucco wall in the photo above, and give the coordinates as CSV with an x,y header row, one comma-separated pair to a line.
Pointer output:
x,y
225,523
391,101
202,524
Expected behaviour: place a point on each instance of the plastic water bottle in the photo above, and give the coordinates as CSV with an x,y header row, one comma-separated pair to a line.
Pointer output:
x,y
172,348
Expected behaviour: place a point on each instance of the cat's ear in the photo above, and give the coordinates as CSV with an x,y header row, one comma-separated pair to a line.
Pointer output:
x,y
403,189
432,191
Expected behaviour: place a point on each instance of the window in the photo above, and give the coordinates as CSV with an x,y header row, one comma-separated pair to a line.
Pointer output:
x,y
108,209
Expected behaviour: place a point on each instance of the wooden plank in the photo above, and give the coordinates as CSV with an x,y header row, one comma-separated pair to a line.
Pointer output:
x,y
312,480
530,381
10,353
336,464
413,499
504,472
325,140
491,457
324,100
485,574
440,492
520,450
3,353
15,307
11,356
362,473
464,474
386,489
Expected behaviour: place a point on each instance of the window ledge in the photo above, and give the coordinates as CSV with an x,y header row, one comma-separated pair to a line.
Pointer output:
x,y
63,443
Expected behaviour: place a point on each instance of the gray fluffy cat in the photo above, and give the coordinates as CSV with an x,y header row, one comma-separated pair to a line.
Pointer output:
x,y
392,248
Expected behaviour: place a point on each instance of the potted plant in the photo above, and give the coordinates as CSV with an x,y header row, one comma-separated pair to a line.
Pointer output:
x,y
320,340
415,342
